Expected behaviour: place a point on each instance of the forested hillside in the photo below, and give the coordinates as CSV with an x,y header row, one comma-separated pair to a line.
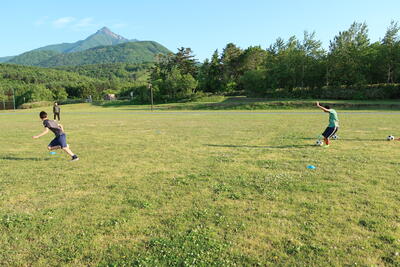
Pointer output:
x,y
131,52
113,71
5,59
33,58
36,84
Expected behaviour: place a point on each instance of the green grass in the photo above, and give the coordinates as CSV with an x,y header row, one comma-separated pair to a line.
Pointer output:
x,y
244,103
199,189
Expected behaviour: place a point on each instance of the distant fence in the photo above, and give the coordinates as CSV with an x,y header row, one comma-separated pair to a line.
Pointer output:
x,y
4,105
9,104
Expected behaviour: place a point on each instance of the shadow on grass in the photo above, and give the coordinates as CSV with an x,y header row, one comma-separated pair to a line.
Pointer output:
x,y
123,103
23,159
363,139
247,146
110,104
245,103
142,109
348,139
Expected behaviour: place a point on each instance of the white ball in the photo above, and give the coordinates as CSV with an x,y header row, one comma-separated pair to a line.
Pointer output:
x,y
335,137
390,138
318,143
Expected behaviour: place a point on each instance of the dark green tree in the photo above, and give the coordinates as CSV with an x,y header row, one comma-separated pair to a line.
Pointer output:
x,y
185,61
391,52
313,67
230,60
211,75
348,56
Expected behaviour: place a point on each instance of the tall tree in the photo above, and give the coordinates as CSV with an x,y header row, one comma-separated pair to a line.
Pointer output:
x,y
230,62
185,61
173,75
312,71
211,75
252,58
390,52
284,65
348,55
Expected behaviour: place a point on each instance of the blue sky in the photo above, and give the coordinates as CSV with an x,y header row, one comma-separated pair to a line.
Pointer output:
x,y
203,25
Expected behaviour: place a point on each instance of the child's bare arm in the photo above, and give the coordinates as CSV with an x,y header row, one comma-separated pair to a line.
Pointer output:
x,y
321,107
40,135
62,127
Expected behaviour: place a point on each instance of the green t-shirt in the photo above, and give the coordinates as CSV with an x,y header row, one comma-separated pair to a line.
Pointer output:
x,y
333,118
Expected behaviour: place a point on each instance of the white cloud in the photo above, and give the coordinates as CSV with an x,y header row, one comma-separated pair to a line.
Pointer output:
x,y
77,24
118,25
63,22
41,21
84,23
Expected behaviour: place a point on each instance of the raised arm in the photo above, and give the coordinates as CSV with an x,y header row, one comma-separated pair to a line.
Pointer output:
x,y
40,135
321,107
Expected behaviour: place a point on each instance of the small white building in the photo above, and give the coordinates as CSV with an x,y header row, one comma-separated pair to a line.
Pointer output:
x,y
110,97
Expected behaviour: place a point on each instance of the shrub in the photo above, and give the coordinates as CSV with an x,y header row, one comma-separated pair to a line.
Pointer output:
x,y
36,104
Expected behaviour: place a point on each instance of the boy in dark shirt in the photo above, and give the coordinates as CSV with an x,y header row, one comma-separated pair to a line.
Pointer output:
x,y
60,141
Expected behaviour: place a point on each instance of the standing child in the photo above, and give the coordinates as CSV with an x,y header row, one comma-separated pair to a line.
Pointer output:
x,y
56,111
333,126
60,141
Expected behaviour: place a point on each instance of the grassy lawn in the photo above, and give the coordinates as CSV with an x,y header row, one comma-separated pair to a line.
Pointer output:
x,y
199,189
246,103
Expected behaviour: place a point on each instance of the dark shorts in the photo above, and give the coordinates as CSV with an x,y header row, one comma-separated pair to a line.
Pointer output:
x,y
330,131
60,140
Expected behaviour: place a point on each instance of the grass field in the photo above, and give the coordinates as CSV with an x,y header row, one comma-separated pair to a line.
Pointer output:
x,y
200,189
247,103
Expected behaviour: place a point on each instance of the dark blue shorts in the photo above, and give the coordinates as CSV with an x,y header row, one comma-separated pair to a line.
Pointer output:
x,y
60,140
330,131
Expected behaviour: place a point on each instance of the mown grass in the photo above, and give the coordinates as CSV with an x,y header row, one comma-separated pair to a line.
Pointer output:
x,y
246,103
200,189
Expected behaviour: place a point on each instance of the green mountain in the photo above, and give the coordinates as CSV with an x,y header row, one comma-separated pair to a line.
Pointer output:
x,y
102,37
100,48
134,53
33,58
5,59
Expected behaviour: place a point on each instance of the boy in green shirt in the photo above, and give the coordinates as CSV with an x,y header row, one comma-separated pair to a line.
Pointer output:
x,y
333,126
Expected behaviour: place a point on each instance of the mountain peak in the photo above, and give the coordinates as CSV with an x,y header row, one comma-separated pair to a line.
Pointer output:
x,y
105,30
108,32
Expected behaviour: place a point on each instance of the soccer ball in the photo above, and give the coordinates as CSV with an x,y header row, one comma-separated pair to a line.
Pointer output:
x,y
318,143
390,138
335,137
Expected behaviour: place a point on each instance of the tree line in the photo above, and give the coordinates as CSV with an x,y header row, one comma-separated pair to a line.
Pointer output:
x,y
32,84
352,68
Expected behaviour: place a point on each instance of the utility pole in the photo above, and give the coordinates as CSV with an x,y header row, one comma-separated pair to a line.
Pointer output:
x,y
4,100
150,86
14,97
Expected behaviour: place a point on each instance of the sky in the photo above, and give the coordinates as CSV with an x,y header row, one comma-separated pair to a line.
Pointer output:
x,y
203,25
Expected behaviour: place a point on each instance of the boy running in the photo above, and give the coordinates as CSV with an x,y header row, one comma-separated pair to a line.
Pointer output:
x,y
333,126
60,141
